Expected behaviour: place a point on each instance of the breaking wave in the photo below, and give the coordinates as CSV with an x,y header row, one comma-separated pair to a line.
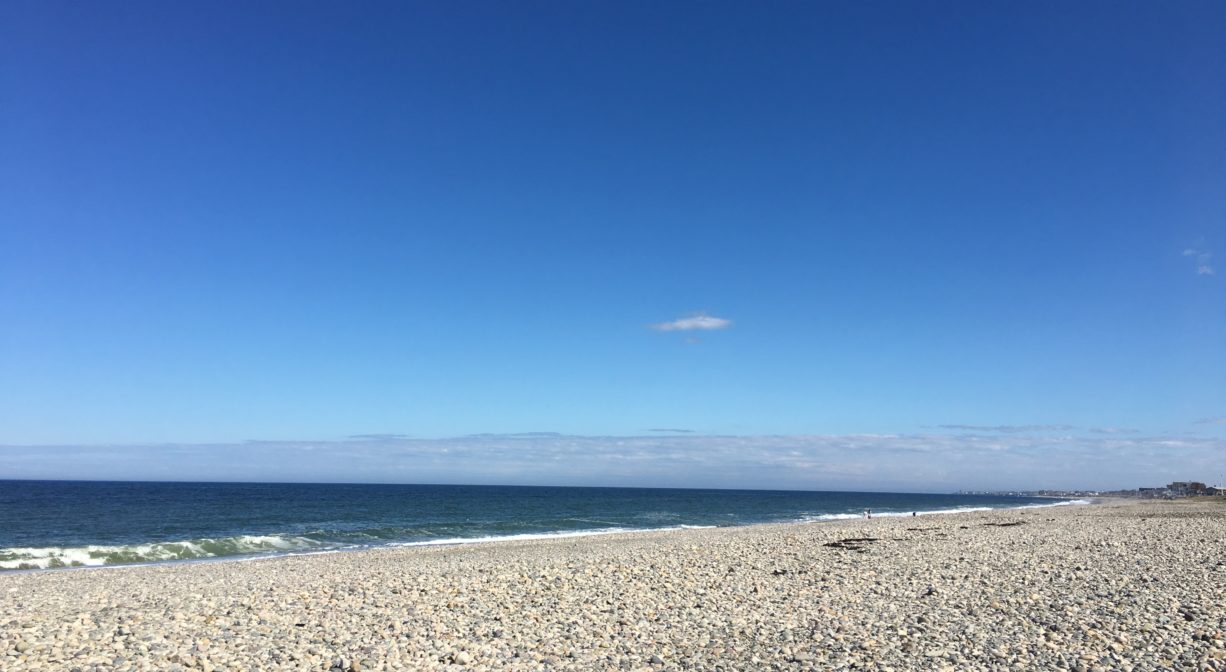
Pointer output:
x,y
536,536
250,546
826,517
98,555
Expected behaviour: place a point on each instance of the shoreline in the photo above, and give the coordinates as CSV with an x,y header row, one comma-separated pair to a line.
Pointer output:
x,y
511,538
1117,585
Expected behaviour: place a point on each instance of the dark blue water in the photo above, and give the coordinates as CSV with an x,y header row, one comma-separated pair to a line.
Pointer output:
x,y
72,523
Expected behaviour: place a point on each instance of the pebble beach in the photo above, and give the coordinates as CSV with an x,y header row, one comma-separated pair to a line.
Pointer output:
x,y
1117,585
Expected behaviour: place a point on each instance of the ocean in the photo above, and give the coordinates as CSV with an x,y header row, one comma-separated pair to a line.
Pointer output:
x,y
55,524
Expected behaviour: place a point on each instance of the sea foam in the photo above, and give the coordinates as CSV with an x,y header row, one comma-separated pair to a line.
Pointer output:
x,y
93,555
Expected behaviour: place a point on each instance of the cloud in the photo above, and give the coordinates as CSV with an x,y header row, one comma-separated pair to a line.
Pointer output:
x,y
672,431
1203,260
1009,429
923,462
694,322
377,437
1114,430
518,435
1220,420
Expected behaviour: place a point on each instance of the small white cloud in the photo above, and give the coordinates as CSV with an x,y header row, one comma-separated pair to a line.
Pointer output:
x,y
694,322
1203,259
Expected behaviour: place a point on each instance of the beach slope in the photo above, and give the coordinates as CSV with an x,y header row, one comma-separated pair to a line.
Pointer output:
x,y
1117,585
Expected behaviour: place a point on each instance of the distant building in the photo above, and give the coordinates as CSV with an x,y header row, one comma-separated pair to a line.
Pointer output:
x,y
1187,489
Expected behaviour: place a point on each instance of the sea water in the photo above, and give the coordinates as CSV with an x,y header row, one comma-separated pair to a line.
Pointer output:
x,y
53,524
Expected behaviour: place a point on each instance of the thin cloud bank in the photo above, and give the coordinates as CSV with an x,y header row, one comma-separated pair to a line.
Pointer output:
x,y
1203,259
1221,420
925,462
1009,429
694,322
1114,430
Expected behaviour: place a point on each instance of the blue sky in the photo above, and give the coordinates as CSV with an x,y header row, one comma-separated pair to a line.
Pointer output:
x,y
302,222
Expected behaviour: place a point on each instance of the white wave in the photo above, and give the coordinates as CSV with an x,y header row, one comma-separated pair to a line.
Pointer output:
x,y
1071,502
41,558
658,515
96,555
541,536
938,512
528,536
827,517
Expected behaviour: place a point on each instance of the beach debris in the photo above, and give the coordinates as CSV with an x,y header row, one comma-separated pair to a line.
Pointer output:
x,y
856,544
928,592
1013,523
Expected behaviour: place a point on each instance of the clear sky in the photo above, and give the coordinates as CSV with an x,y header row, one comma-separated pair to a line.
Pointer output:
x,y
841,230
